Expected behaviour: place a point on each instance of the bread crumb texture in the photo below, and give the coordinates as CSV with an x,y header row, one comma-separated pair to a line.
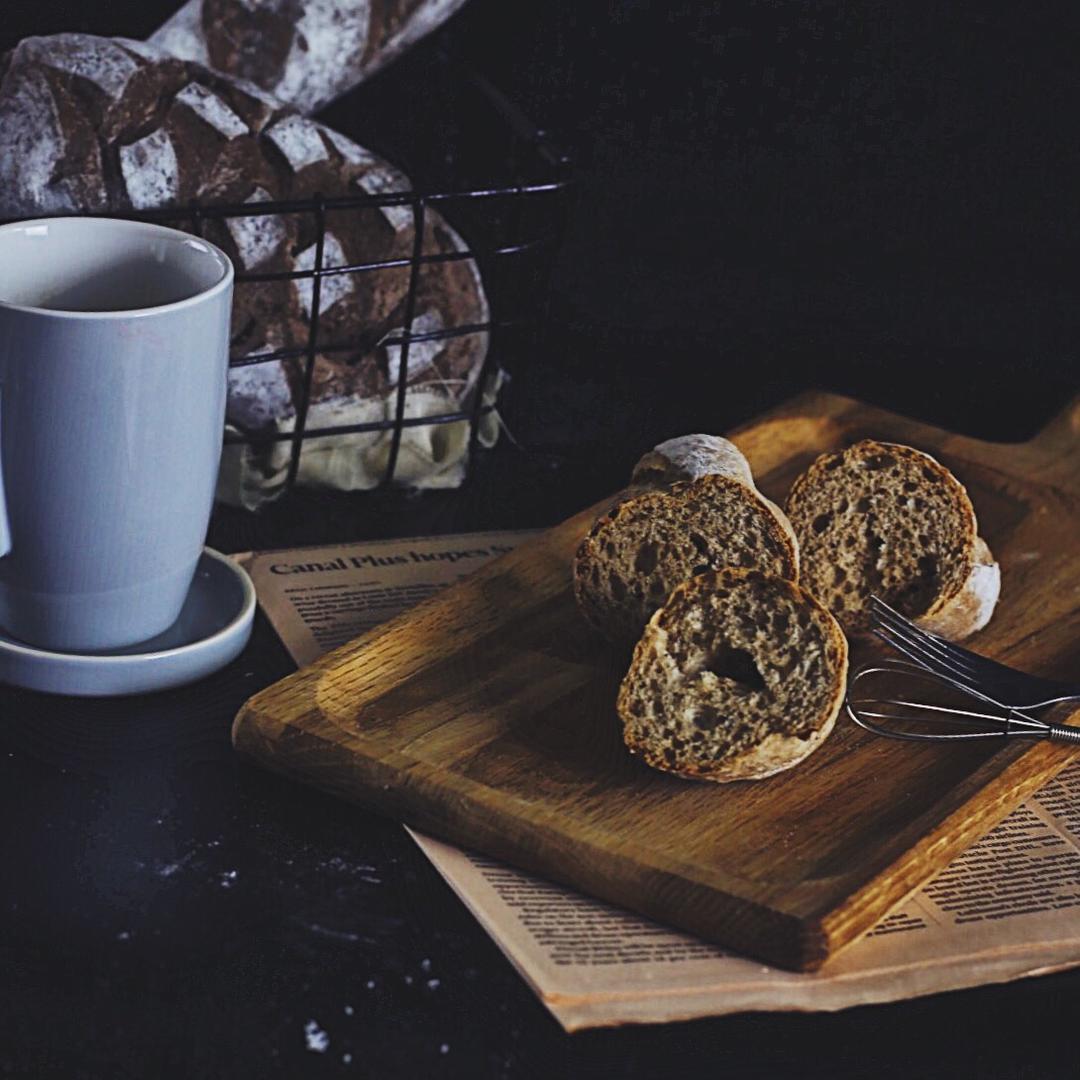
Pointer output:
x,y
636,554
886,520
739,676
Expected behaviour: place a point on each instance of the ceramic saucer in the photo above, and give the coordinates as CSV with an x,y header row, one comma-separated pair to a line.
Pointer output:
x,y
213,627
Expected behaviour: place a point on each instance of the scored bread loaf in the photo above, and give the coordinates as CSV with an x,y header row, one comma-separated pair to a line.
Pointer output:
x,y
101,124
888,520
634,555
304,52
738,676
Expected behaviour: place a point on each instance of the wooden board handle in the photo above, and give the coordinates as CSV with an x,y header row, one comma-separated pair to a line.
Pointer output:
x,y
1058,445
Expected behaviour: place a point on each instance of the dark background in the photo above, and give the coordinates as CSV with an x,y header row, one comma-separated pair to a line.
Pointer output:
x,y
878,199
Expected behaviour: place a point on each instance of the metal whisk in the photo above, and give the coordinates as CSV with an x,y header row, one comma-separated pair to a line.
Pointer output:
x,y
1009,703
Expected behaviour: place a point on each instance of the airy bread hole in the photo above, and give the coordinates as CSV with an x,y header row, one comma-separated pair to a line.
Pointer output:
x,y
821,522
706,718
646,558
735,665
701,545
876,462
918,594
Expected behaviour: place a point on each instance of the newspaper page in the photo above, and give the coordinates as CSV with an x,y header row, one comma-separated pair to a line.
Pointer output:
x,y
1008,907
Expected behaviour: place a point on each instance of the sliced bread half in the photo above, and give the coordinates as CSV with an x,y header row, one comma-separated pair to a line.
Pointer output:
x,y
640,550
738,676
880,518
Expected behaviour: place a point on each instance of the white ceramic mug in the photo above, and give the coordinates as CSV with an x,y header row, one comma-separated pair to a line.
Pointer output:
x,y
113,365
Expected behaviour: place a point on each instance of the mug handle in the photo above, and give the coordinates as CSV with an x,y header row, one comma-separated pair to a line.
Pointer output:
x,y
5,527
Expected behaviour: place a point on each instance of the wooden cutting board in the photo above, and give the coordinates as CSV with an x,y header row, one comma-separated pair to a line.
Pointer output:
x,y
486,716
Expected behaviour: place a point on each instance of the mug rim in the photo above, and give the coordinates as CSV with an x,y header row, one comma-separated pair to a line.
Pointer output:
x,y
94,222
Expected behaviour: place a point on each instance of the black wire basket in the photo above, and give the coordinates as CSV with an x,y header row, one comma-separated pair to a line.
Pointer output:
x,y
497,178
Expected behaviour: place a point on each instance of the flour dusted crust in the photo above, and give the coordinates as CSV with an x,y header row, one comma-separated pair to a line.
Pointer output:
x,y
739,676
96,124
889,520
970,609
696,508
690,457
304,52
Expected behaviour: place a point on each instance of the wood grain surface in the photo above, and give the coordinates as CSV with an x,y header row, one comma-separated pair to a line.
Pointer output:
x,y
486,716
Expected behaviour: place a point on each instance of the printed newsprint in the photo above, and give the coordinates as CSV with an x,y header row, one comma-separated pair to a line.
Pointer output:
x,y
1008,907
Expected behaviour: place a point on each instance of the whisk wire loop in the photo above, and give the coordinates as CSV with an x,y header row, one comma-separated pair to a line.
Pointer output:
x,y
892,717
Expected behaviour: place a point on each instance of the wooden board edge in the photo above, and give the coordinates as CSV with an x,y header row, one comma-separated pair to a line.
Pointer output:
x,y
895,883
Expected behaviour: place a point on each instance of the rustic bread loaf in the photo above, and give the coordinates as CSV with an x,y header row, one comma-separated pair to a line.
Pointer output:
x,y
304,52
638,552
95,124
888,520
738,676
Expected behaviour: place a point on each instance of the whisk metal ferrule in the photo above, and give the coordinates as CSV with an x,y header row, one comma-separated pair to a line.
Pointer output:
x,y
1061,733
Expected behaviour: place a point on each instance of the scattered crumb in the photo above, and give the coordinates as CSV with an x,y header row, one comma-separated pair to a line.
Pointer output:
x,y
433,984
124,935
444,1048
228,879
346,1059
425,965
348,1010
315,1039
408,980
371,984
171,868
337,935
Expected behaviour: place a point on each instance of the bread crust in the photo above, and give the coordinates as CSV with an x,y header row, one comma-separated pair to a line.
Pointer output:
x,y
672,468
970,609
775,753
689,457
965,608
305,52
